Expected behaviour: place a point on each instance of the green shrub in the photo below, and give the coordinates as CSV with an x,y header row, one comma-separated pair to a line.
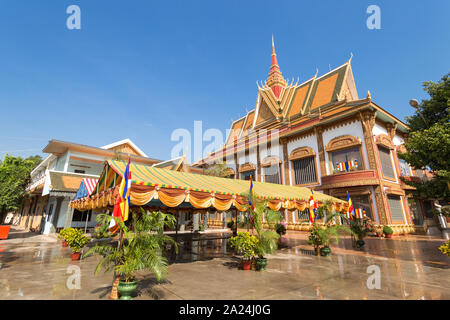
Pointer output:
x,y
245,244
445,248
76,240
65,233
280,229
388,230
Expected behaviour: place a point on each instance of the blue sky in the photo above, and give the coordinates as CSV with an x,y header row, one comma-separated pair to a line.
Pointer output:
x,y
140,69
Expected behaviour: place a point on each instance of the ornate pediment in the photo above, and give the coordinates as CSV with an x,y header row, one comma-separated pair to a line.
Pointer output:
x,y
246,167
342,142
384,141
302,152
270,161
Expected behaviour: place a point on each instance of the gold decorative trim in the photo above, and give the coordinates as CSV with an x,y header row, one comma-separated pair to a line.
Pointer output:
x,y
342,142
300,153
246,167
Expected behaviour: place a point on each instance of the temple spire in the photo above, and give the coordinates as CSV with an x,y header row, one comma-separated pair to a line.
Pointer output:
x,y
275,81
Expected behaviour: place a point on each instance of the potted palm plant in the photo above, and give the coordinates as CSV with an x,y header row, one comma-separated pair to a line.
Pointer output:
x,y
142,248
360,228
323,235
76,240
388,232
267,238
245,244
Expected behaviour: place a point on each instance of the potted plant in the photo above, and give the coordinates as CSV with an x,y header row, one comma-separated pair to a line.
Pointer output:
x,y
142,247
360,228
323,235
76,240
63,234
4,232
267,238
388,232
245,244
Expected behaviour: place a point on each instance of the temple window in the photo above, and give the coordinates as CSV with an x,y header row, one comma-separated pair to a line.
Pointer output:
x,y
386,162
272,174
271,166
395,207
305,171
346,160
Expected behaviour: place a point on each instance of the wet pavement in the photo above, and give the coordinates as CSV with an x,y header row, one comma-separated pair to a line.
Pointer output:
x,y
410,267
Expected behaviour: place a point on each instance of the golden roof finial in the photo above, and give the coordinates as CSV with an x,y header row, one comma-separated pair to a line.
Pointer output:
x,y
368,95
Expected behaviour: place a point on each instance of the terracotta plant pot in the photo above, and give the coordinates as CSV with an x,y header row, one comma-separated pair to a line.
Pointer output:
x,y
76,256
126,289
388,235
64,244
261,264
4,232
380,235
246,264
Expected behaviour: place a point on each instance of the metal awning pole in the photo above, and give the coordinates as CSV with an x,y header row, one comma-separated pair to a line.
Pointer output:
x,y
85,226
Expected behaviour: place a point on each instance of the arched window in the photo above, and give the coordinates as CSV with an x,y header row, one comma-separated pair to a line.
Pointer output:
x,y
304,166
345,154
272,169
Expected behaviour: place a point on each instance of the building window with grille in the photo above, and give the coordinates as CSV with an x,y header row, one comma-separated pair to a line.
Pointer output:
x,y
404,168
305,171
395,207
272,174
81,215
386,162
346,160
246,175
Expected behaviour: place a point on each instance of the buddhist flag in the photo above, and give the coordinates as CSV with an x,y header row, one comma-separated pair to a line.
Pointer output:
x,y
350,207
122,204
312,208
250,197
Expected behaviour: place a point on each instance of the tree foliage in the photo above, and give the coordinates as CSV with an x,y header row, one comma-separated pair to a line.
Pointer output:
x,y
428,143
14,177
219,169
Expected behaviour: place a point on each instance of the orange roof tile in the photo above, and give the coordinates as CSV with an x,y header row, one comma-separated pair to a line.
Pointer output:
x,y
324,91
299,100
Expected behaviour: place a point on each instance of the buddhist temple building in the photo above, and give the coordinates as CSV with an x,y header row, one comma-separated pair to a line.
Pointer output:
x,y
318,133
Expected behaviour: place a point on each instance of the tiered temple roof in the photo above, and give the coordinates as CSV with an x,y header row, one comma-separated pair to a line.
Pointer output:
x,y
279,101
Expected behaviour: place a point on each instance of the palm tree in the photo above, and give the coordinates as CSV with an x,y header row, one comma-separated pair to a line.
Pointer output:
x,y
141,248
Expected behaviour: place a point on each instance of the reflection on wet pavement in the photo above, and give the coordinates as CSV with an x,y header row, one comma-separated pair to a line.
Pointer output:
x,y
205,268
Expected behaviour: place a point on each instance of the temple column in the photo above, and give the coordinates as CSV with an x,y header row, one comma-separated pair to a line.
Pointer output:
x,y
287,180
318,132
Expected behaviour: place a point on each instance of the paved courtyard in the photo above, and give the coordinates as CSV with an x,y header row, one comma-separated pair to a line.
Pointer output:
x,y
411,267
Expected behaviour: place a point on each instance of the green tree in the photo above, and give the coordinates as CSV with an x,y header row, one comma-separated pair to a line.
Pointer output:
x,y
219,169
14,177
428,143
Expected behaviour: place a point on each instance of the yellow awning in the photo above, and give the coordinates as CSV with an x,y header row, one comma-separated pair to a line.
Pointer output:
x,y
173,188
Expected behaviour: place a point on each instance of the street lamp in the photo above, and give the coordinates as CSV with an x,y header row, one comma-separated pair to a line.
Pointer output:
x,y
413,103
